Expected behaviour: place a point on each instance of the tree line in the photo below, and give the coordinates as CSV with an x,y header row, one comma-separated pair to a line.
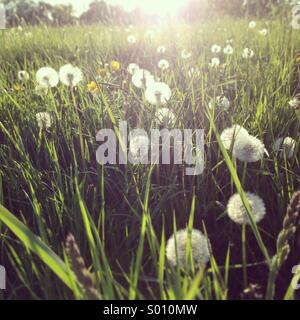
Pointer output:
x,y
29,12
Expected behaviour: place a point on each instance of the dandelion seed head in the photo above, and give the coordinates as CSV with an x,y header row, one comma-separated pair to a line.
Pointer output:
x,y
220,101
165,116
185,54
44,120
228,50
70,75
131,39
176,248
161,49
216,48
263,32
163,64
229,136
294,103
247,53
47,77
237,211
132,68
248,149
23,75
138,146
285,147
142,78
252,24
158,93
215,62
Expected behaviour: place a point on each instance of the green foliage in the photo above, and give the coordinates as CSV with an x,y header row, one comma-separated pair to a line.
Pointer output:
x,y
29,12
122,216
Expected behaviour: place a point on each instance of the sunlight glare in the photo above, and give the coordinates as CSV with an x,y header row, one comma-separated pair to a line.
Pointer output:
x,y
158,7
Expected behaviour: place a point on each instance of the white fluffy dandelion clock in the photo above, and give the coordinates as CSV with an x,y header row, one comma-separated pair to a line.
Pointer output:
x,y
215,62
285,147
23,75
263,32
216,48
163,64
138,149
176,248
165,116
158,93
185,54
294,102
238,213
70,75
44,120
248,149
220,101
231,135
133,68
161,49
224,102
247,53
228,50
142,78
252,24
47,77
131,39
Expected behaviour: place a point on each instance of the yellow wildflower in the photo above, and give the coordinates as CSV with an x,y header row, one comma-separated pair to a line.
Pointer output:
x,y
93,87
17,87
115,65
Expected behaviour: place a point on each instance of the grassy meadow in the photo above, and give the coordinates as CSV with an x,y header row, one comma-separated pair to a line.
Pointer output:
x,y
122,216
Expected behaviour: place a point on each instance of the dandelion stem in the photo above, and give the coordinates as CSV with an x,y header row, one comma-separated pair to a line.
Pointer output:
x,y
244,174
244,256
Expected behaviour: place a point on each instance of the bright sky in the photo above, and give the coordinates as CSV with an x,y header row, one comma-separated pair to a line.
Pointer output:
x,y
162,7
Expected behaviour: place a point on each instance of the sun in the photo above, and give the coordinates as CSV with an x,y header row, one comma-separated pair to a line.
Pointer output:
x,y
158,7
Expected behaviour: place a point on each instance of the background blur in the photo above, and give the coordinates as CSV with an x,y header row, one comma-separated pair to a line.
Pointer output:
x,y
59,12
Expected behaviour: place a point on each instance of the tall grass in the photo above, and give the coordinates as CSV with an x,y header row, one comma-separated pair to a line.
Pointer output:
x,y
121,216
